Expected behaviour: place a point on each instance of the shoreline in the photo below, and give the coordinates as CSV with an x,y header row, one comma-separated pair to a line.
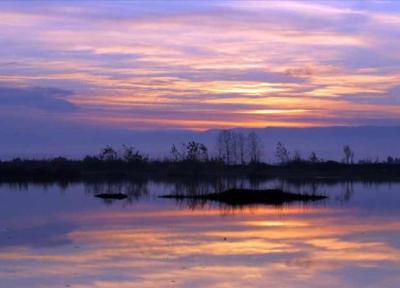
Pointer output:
x,y
80,170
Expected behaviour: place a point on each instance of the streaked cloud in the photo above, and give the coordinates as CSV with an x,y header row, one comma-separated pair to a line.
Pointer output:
x,y
48,99
332,62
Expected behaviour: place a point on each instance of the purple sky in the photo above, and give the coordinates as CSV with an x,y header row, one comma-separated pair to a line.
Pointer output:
x,y
144,65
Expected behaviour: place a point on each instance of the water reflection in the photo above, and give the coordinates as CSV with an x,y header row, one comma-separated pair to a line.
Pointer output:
x,y
139,189
134,190
72,239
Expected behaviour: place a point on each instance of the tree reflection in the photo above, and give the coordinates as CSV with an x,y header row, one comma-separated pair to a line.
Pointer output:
x,y
135,190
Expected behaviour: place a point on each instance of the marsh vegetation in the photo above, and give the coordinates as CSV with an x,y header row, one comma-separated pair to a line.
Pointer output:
x,y
235,155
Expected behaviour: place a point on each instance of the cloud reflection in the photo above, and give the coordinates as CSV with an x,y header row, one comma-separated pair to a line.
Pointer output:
x,y
185,248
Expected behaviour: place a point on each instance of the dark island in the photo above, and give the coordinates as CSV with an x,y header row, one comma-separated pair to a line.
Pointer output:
x,y
111,196
236,197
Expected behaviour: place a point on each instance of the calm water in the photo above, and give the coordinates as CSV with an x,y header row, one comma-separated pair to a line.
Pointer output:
x,y
56,236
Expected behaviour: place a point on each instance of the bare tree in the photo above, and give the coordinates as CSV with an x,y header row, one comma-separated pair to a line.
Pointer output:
x,y
348,154
224,146
297,156
176,155
196,151
254,147
192,151
108,154
220,146
282,153
313,157
130,154
234,147
241,143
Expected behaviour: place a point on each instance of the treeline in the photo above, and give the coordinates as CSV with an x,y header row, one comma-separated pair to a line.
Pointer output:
x,y
237,148
235,154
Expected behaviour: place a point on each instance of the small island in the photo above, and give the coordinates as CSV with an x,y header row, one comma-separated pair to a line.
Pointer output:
x,y
111,196
236,197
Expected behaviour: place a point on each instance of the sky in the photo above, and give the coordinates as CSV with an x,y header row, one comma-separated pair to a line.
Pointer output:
x,y
198,65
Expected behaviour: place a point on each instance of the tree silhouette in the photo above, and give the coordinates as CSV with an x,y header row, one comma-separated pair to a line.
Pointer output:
x,y
254,147
313,158
282,153
108,154
348,154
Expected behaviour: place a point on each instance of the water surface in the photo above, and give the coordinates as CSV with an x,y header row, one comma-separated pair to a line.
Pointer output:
x,y
62,236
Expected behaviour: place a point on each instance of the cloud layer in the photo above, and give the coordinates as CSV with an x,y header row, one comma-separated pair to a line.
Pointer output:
x,y
48,99
203,64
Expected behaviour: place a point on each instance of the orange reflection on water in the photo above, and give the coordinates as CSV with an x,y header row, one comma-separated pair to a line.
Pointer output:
x,y
204,248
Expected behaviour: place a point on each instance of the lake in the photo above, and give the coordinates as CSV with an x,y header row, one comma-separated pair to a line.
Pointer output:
x,y
60,235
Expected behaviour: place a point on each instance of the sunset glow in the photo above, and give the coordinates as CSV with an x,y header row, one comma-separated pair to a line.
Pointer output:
x,y
199,143
203,64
